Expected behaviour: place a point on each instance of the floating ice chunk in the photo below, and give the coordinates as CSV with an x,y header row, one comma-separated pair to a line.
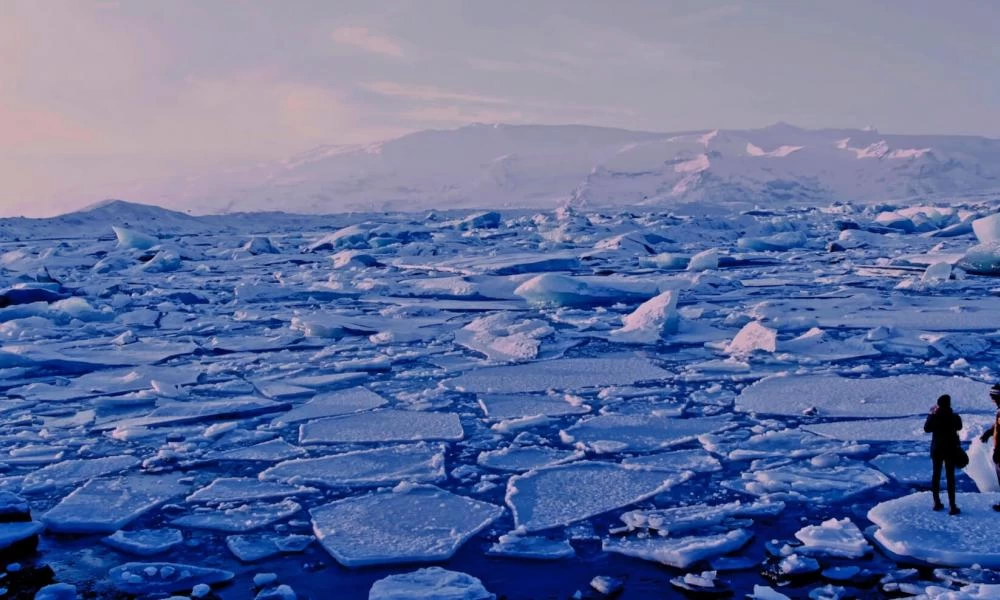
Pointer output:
x,y
525,458
281,592
682,519
907,527
105,506
638,432
271,451
651,321
809,482
682,552
791,443
704,261
832,396
159,578
234,489
330,326
164,261
251,548
383,426
668,260
773,243
520,423
503,339
172,412
795,565
512,407
817,345
833,538
609,586
483,220
696,460
242,518
764,592
539,500
145,542
260,245
560,374
987,229
71,472
332,404
981,468
421,463
57,591
983,259
560,290
354,259
19,531
889,430
908,468
132,239
936,273
409,524
531,548
432,583
752,337
350,237
957,345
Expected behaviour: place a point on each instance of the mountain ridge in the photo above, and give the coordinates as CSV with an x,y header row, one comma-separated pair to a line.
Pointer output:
x,y
544,166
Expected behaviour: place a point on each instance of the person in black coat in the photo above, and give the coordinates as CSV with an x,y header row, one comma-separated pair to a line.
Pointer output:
x,y
943,425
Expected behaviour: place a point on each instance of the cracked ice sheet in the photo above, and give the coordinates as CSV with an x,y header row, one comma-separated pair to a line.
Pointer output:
x,y
784,443
908,528
332,404
525,458
638,433
679,553
383,426
235,489
425,524
564,374
559,496
105,506
807,482
239,519
833,396
909,429
270,451
173,413
416,463
72,472
511,407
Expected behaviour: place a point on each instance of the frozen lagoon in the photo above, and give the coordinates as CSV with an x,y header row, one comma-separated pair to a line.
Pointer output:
x,y
250,407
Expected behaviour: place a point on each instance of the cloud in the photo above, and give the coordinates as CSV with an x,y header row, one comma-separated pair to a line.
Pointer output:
x,y
426,93
364,39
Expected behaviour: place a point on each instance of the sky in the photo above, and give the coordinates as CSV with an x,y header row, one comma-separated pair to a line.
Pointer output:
x,y
96,94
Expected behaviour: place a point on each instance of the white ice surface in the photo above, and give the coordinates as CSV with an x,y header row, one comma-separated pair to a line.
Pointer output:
x,y
833,537
560,374
383,426
407,525
107,505
539,500
613,433
431,583
682,552
416,463
331,404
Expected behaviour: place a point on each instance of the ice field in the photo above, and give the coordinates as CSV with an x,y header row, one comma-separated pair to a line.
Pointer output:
x,y
472,405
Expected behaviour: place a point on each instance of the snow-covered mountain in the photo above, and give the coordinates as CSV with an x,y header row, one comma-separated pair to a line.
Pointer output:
x,y
529,166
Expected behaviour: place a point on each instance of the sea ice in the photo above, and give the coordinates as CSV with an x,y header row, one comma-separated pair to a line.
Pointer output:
x,y
159,578
499,407
525,458
833,537
254,547
832,396
809,482
331,404
551,289
987,229
612,433
753,337
531,548
71,472
539,500
239,519
415,463
235,489
697,461
406,525
105,506
704,261
383,426
907,527
560,374
653,320
431,583
983,259
682,519
679,553
271,451
145,542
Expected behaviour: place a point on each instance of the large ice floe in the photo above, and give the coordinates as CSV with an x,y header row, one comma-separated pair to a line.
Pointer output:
x,y
707,397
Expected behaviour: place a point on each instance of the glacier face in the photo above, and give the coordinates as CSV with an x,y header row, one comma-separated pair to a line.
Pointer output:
x,y
533,166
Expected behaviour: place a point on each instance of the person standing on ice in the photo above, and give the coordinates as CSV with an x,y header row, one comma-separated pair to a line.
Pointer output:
x,y
992,432
943,425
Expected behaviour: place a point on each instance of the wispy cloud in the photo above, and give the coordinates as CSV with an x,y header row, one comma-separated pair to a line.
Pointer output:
x,y
426,93
363,38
